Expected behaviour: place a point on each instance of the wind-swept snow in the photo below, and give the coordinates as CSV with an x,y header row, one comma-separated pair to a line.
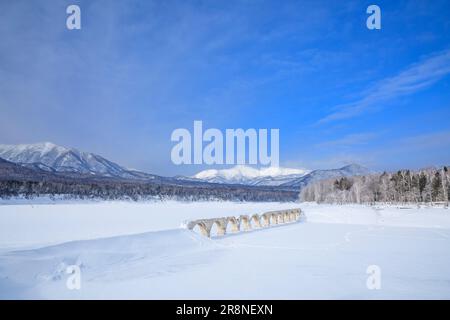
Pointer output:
x,y
325,257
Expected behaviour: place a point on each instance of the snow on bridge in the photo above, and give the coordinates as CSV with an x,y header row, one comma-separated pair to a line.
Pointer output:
x,y
245,222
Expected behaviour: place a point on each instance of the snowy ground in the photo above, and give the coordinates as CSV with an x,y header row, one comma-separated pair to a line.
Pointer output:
x,y
138,250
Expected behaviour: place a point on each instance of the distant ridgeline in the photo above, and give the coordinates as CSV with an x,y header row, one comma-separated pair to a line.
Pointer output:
x,y
17,180
405,186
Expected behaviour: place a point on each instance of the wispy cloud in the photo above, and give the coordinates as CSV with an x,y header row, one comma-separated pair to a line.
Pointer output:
x,y
433,140
350,140
416,77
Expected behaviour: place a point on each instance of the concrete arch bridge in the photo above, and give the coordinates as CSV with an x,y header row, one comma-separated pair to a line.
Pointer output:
x,y
245,222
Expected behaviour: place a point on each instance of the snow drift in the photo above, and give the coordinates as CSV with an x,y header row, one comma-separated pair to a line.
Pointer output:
x,y
325,258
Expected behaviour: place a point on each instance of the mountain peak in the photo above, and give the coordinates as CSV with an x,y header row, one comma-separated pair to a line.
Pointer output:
x,y
46,145
51,157
355,169
352,165
42,147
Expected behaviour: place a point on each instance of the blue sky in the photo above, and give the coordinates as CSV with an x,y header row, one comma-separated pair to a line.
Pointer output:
x,y
137,70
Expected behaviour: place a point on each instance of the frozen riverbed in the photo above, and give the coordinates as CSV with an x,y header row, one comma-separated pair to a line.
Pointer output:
x,y
138,250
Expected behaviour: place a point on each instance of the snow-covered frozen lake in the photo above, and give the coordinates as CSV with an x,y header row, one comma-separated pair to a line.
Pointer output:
x,y
139,250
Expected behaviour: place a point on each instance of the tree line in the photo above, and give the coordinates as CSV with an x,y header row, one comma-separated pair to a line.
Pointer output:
x,y
404,186
120,190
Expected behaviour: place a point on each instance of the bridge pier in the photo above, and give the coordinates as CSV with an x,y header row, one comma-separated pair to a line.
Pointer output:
x,y
280,218
256,221
245,223
221,231
292,216
286,217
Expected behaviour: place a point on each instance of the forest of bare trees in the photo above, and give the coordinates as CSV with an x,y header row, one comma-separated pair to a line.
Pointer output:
x,y
405,186
121,190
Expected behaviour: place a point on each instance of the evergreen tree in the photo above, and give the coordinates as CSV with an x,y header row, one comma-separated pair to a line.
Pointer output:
x,y
436,187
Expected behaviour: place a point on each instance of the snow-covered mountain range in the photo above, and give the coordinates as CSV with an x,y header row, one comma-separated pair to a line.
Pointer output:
x,y
271,176
48,157
285,177
53,158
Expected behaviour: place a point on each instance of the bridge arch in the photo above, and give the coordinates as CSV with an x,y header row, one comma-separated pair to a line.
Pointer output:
x,y
200,227
265,220
232,225
273,218
217,228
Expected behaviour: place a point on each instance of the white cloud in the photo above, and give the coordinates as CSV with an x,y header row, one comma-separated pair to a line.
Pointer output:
x,y
416,77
